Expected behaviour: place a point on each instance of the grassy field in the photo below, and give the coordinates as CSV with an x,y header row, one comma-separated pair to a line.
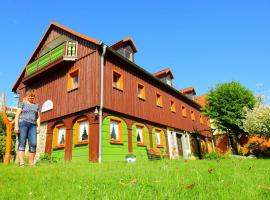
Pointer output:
x,y
200,179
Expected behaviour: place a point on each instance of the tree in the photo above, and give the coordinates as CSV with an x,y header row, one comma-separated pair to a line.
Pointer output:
x,y
84,135
225,104
257,120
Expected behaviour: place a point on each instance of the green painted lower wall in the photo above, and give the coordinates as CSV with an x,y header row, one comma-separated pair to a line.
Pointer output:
x,y
58,153
140,151
81,152
113,152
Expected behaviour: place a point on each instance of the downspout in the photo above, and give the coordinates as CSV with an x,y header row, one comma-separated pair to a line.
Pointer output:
x,y
101,99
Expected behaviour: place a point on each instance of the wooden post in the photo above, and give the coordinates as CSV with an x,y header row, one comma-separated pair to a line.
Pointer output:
x,y
68,140
8,131
93,141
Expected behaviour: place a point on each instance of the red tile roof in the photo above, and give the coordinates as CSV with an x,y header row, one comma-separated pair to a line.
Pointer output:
x,y
164,72
122,42
188,90
201,100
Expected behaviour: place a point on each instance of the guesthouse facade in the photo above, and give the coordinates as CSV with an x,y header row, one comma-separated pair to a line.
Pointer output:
x,y
97,104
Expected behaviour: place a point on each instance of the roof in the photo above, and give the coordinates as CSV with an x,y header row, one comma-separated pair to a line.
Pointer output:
x,y
128,40
201,100
188,90
52,24
164,72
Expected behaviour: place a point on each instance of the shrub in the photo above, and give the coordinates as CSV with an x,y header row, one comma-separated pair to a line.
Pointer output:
x,y
213,156
48,158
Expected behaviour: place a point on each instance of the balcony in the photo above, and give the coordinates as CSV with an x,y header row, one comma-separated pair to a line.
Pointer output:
x,y
65,51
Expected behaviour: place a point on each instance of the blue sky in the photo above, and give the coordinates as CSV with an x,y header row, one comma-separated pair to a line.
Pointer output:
x,y
203,42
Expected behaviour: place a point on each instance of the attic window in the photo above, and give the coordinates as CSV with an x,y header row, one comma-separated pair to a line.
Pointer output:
x,y
192,114
117,80
127,52
73,79
172,105
169,80
158,100
184,111
141,91
201,119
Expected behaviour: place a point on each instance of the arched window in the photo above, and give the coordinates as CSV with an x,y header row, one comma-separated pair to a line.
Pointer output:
x,y
159,137
140,135
116,131
82,131
59,136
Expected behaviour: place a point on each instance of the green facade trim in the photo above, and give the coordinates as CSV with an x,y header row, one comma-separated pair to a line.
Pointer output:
x,y
113,152
79,152
57,153
155,140
140,151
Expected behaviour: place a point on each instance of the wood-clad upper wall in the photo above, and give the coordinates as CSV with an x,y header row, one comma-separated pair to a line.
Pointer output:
x,y
127,102
53,86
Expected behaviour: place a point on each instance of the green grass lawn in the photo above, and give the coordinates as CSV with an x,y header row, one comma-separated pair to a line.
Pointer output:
x,y
200,179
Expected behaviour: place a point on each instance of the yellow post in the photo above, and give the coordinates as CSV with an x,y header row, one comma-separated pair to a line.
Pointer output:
x,y
8,130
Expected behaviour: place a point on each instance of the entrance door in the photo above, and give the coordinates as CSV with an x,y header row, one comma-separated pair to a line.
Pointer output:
x,y
172,144
179,145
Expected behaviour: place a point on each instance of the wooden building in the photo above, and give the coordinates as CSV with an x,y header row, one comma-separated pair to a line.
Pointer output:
x,y
97,104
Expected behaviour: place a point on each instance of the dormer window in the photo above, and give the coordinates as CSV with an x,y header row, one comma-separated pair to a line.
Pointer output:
x,y
128,53
165,76
169,80
126,48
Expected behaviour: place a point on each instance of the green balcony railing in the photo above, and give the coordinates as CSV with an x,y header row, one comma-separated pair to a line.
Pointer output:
x,y
64,50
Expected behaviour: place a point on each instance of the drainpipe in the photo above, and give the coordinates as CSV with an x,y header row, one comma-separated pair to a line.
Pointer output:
x,y
101,99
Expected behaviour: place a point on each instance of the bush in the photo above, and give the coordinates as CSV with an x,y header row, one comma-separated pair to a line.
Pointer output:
x,y
214,156
48,158
130,155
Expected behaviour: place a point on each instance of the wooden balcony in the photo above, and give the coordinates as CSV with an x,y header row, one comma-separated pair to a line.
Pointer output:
x,y
66,51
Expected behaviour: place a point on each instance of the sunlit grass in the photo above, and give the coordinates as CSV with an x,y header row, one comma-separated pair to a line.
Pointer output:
x,y
224,179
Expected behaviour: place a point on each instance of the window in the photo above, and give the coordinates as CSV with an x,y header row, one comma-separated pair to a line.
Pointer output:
x,y
192,114
128,53
73,79
82,132
159,139
60,136
208,122
140,135
141,91
117,80
201,119
184,111
169,80
158,100
72,49
172,105
116,135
